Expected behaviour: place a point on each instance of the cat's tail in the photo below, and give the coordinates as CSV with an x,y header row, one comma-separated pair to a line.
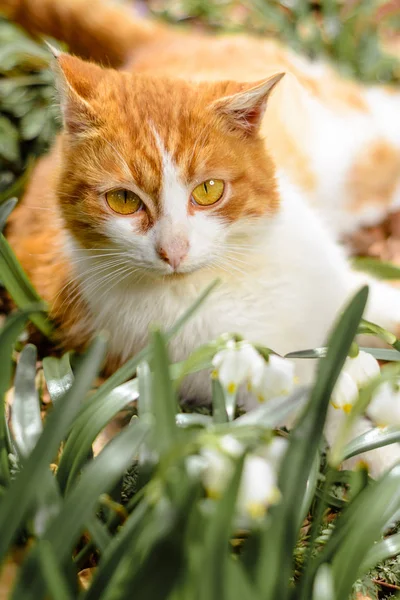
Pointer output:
x,y
94,29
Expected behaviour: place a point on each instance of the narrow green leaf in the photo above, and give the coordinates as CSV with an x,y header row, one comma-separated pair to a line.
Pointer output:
x,y
387,354
275,411
5,211
378,268
145,389
164,405
99,533
118,549
374,438
312,353
9,140
218,402
25,413
274,568
58,376
193,420
23,490
97,478
75,454
213,566
381,551
366,327
8,335
361,527
55,581
19,287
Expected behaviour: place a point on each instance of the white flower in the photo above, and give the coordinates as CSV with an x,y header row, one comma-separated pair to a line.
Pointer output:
x,y
276,379
362,368
345,393
274,451
258,488
235,364
384,408
218,465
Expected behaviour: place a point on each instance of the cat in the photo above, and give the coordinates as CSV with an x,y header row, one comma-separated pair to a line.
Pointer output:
x,y
193,157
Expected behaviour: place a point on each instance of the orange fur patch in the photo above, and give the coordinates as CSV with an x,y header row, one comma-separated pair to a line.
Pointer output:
x,y
374,176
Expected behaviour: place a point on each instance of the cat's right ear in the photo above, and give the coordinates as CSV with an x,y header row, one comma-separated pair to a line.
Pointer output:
x,y
76,81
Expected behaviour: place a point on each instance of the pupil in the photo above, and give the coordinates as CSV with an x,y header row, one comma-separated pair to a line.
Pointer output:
x,y
125,196
205,187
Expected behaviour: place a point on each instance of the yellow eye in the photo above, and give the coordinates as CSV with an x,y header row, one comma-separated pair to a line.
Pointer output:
x,y
208,192
123,202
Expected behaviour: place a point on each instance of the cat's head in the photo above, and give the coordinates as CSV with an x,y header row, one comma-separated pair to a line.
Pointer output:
x,y
171,174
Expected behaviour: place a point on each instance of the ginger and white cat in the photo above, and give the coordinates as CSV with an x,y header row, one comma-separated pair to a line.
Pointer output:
x,y
196,161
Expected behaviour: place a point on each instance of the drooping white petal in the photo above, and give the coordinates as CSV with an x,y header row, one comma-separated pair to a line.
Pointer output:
x,y
345,393
274,451
217,472
362,368
258,488
384,408
235,363
276,379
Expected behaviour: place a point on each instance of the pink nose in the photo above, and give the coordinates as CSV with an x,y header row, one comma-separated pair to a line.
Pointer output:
x,y
174,254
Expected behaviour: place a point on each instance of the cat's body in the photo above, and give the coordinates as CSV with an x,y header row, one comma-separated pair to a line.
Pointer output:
x,y
330,162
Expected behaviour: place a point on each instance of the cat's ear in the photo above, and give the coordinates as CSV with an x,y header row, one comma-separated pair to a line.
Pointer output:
x,y
245,109
76,82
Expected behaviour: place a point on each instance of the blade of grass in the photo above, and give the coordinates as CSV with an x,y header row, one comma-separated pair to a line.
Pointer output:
x,y
25,413
58,376
274,567
98,477
374,438
19,287
22,492
8,335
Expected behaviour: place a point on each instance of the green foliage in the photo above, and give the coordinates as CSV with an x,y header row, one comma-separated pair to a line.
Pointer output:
x,y
27,110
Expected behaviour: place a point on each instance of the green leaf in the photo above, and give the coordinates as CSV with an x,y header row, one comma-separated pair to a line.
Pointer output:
x,y
18,185
358,528
9,140
366,327
193,420
213,565
55,581
275,411
374,438
274,567
99,534
25,413
312,353
33,122
377,268
218,402
118,549
19,287
22,492
77,449
381,551
5,211
386,354
98,477
8,335
164,403
58,376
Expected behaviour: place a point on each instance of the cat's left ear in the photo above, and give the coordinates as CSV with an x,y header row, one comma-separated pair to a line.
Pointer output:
x,y
76,81
245,109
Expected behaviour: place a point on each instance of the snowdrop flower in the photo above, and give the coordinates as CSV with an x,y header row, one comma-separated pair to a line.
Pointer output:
x,y
235,364
345,393
274,451
276,379
218,465
384,408
258,488
362,368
